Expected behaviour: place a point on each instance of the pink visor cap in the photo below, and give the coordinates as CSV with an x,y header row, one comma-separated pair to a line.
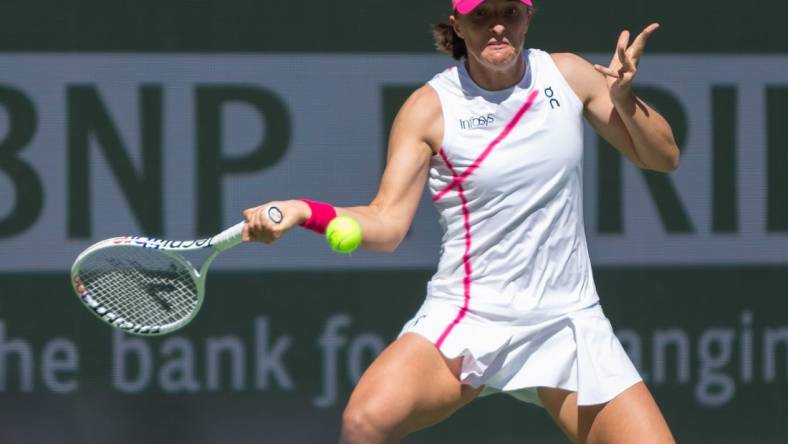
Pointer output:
x,y
466,6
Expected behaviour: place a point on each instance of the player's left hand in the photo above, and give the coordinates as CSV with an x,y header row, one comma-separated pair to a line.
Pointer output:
x,y
624,64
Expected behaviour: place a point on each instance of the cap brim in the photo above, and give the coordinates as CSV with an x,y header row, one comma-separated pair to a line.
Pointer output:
x,y
466,6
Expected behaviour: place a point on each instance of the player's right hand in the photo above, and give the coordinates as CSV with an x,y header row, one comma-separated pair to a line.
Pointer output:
x,y
259,226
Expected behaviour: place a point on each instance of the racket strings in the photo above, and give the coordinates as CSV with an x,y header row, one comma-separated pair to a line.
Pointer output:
x,y
143,286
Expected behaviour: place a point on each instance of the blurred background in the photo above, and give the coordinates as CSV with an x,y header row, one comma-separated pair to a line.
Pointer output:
x,y
170,117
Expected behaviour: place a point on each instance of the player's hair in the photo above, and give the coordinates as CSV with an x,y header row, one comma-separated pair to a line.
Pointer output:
x,y
447,41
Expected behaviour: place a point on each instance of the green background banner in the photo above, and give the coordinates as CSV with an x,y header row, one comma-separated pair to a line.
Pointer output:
x,y
273,356
724,26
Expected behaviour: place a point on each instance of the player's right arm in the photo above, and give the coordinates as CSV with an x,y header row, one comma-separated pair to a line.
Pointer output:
x,y
415,137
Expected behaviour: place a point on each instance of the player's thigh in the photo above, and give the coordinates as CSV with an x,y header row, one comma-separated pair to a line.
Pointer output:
x,y
632,416
408,387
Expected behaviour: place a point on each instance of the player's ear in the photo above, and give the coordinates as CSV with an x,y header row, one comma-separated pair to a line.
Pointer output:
x,y
455,25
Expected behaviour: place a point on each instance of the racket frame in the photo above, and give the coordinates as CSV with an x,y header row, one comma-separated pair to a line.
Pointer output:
x,y
225,240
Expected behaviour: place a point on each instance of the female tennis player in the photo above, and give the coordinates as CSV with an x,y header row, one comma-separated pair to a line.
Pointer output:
x,y
512,307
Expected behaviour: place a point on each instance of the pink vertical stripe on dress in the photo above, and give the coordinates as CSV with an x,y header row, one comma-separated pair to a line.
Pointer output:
x,y
457,181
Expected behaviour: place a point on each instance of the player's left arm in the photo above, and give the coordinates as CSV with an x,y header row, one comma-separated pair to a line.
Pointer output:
x,y
615,111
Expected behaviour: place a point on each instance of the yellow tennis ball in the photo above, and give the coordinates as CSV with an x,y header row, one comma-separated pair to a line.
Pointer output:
x,y
343,234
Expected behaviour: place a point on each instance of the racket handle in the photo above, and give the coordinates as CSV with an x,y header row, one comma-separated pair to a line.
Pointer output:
x,y
229,238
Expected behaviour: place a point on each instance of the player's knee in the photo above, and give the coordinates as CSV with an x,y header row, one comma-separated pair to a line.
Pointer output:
x,y
359,426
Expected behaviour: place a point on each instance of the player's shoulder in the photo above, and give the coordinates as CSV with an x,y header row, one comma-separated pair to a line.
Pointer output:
x,y
420,117
571,63
579,73
422,103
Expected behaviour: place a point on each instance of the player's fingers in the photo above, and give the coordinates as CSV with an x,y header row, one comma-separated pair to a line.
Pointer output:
x,y
643,37
639,44
267,223
626,61
254,222
623,40
248,213
606,71
245,235
252,235
640,41
626,79
621,50
628,64
263,219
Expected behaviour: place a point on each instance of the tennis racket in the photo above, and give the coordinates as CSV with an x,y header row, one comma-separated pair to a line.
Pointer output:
x,y
146,286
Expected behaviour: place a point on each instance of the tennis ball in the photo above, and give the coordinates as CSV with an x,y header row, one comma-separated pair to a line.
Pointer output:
x,y
343,234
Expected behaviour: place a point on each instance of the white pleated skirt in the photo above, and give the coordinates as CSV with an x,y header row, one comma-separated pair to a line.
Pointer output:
x,y
575,351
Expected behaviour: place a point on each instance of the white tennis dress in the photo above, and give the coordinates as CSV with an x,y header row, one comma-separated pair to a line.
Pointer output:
x,y
514,292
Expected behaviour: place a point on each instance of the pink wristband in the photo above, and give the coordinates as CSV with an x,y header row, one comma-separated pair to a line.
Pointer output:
x,y
322,215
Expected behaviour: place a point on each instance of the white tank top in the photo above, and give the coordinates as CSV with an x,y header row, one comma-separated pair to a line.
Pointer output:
x,y
508,185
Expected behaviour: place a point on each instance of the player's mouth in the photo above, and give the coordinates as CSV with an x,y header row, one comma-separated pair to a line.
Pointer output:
x,y
498,44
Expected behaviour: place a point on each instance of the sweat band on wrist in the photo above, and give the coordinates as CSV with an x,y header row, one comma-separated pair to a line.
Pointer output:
x,y
322,215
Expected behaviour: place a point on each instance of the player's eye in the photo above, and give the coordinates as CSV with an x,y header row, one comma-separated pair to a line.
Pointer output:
x,y
511,12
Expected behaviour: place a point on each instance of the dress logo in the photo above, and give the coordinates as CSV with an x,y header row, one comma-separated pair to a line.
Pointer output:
x,y
477,122
554,103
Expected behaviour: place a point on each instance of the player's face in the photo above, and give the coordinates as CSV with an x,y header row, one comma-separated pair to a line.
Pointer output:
x,y
494,32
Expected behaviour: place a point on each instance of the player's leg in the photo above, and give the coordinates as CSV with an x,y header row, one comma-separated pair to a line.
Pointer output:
x,y
632,416
410,386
